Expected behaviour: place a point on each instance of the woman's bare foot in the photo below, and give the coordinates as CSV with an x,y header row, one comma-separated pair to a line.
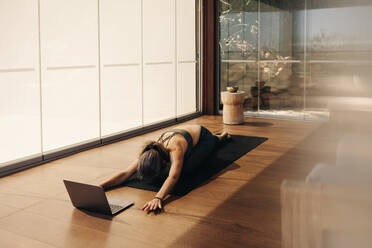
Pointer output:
x,y
223,136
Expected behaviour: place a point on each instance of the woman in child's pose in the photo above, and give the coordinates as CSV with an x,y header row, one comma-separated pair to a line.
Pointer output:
x,y
176,152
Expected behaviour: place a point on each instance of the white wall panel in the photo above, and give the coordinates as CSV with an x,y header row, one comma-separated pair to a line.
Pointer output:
x,y
19,115
135,54
70,107
186,56
186,88
120,22
69,32
186,38
19,34
158,30
70,84
159,58
121,99
159,93
19,80
120,25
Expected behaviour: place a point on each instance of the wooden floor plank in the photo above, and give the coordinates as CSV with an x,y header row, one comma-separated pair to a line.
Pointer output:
x,y
62,234
240,207
12,240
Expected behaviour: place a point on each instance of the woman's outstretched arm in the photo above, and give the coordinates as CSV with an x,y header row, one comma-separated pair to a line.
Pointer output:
x,y
172,179
121,177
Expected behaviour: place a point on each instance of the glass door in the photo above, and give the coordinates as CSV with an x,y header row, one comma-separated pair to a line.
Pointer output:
x,y
294,58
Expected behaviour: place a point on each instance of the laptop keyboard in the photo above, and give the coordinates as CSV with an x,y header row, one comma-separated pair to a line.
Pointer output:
x,y
115,208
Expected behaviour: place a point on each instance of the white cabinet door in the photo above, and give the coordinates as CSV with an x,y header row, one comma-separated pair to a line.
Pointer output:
x,y
120,39
19,80
70,84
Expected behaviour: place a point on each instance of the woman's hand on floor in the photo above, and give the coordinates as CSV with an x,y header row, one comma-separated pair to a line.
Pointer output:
x,y
152,205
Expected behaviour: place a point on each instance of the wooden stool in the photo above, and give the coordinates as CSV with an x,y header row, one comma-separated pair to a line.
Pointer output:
x,y
233,107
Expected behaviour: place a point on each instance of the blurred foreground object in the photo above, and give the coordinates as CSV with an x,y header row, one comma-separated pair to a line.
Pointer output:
x,y
353,162
332,209
316,215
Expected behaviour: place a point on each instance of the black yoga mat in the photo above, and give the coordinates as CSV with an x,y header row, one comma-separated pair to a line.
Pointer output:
x,y
223,155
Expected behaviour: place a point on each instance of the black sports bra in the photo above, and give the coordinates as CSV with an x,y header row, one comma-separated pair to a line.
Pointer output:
x,y
182,132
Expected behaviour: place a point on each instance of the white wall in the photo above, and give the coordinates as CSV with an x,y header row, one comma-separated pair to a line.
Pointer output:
x,y
186,57
19,80
103,67
159,60
69,68
121,57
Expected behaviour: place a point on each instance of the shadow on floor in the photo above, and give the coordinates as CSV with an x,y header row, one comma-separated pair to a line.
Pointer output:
x,y
251,217
93,214
231,167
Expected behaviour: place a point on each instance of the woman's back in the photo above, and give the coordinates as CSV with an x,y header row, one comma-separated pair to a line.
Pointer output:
x,y
179,140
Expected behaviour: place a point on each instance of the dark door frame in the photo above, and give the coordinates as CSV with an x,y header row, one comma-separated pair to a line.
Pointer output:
x,y
210,86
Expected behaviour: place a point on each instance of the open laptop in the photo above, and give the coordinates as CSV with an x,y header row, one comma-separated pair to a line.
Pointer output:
x,y
93,198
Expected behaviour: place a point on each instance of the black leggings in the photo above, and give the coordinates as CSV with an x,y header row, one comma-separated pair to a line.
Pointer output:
x,y
200,152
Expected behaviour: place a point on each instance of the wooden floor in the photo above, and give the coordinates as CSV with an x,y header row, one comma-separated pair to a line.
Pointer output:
x,y
240,208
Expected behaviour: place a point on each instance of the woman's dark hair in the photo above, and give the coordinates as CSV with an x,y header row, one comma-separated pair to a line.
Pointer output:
x,y
151,161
